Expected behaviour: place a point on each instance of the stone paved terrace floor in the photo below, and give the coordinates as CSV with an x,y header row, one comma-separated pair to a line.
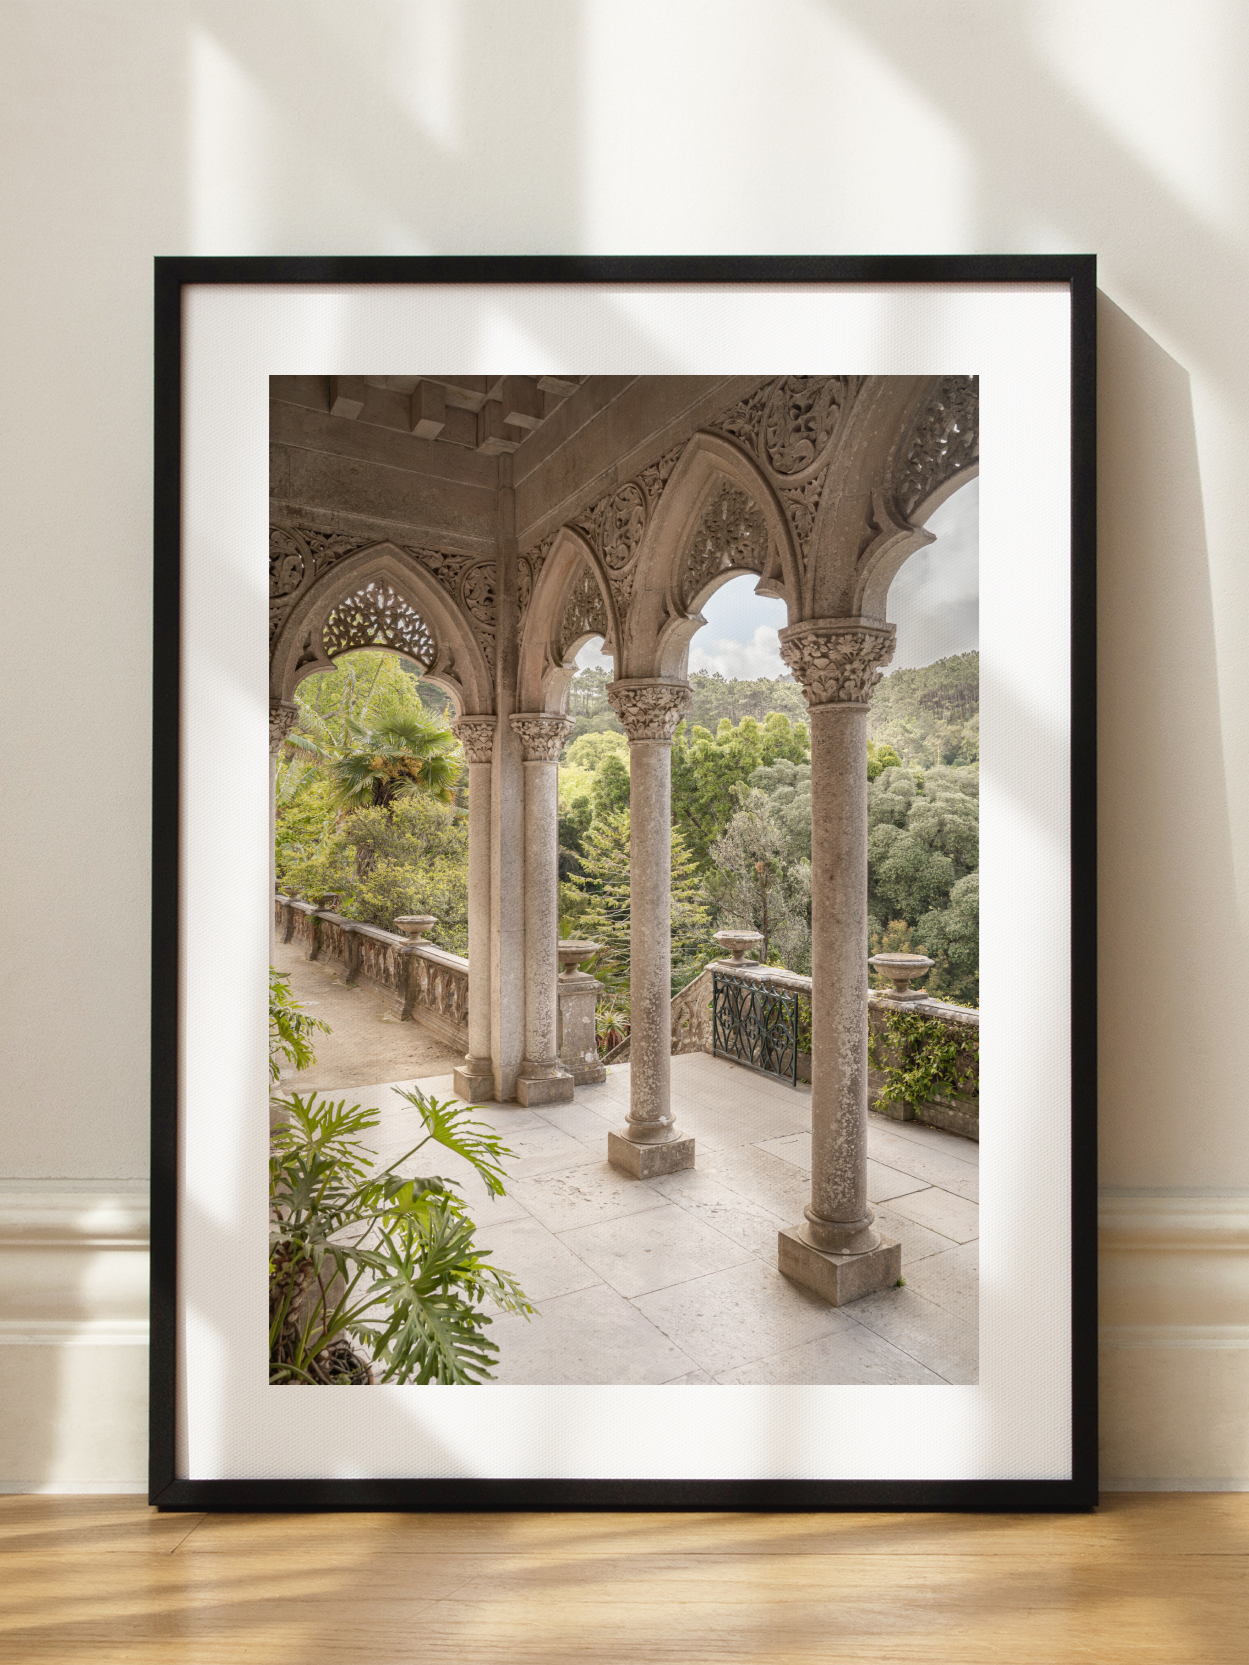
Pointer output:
x,y
673,1280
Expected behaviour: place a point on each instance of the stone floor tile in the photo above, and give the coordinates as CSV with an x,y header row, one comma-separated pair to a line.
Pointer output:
x,y
592,1337
943,1342
663,1246
794,1147
853,1356
582,1196
694,1378
931,1138
884,1183
580,1122
936,1167
545,1149
753,1227
542,1265
917,1241
759,1176
728,1318
941,1211
951,1280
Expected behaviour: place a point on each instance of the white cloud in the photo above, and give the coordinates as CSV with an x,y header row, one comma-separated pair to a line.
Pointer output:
x,y
760,656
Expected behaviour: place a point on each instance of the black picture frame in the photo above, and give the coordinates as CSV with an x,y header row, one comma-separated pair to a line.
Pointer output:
x,y
169,1491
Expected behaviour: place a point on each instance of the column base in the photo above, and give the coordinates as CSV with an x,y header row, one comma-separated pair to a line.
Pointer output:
x,y
649,1161
589,1075
474,1083
544,1089
838,1278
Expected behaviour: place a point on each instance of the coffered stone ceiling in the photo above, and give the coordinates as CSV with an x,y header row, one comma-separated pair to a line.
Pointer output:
x,y
486,414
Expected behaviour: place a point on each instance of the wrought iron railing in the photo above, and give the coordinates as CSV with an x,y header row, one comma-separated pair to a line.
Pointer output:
x,y
755,1023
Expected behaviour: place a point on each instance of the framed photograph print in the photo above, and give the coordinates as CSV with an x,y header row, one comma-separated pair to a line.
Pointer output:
x,y
570,1030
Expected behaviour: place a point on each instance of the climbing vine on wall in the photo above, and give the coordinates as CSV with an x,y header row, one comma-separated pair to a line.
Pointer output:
x,y
919,1059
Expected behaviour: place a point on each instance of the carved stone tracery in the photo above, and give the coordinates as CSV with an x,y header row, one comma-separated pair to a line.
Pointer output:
x,y
542,734
476,735
282,719
377,616
944,441
650,710
790,425
731,534
837,661
584,613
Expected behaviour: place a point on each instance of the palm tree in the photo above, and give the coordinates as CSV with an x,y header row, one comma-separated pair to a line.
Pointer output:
x,y
396,753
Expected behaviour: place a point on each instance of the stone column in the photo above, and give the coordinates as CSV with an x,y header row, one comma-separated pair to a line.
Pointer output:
x,y
475,1081
835,1252
649,1143
282,719
542,1079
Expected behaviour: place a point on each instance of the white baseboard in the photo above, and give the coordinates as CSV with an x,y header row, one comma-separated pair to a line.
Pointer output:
x,y
73,1290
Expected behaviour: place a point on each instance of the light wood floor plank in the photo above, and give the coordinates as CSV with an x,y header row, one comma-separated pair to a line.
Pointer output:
x,y
1156,1580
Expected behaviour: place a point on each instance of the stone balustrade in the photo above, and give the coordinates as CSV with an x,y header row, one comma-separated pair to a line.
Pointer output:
x,y
956,1112
427,985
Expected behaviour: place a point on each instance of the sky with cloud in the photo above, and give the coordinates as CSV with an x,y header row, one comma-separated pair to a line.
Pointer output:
x,y
934,601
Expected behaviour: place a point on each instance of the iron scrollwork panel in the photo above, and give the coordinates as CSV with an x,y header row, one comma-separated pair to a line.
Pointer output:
x,y
756,1024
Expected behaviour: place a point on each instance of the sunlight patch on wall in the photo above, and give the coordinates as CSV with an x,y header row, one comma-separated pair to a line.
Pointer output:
x,y
1162,88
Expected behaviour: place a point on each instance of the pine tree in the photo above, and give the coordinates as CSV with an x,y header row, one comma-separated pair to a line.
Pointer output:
x,y
604,883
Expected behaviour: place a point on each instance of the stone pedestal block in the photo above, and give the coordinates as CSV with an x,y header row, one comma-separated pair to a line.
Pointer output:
x,y
578,994
838,1278
474,1081
649,1161
544,1089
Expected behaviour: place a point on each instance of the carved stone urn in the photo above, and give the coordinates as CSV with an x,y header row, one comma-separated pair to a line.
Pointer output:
x,y
738,943
572,952
900,969
415,925
330,900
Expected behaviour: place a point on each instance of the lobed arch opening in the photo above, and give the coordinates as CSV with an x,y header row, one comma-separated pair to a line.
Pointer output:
x,y
382,600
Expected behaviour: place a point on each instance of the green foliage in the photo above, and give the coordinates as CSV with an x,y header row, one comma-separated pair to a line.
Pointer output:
x,y
410,859
291,1028
919,1059
930,714
717,698
706,768
923,839
588,695
365,1257
788,786
880,758
757,883
396,753
611,786
951,936
589,750
602,890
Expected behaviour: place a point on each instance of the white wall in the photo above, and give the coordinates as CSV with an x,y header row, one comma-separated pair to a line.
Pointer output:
x,y
143,127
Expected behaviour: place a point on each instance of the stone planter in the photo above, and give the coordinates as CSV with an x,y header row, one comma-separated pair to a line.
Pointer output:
x,y
739,943
901,969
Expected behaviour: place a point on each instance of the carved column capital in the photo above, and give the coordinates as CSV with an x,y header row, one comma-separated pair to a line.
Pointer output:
x,y
476,735
837,661
650,709
282,718
542,734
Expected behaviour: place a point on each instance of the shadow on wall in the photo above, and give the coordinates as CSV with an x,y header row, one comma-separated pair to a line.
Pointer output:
x,y
1167,878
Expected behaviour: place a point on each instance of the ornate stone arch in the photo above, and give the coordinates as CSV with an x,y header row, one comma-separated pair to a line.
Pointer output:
x,y
718,518
936,450
571,602
381,597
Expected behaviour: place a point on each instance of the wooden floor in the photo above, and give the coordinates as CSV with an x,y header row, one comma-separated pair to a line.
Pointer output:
x,y
1160,1578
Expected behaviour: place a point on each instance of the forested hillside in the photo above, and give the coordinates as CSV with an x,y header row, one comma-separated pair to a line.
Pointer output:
x,y
930,714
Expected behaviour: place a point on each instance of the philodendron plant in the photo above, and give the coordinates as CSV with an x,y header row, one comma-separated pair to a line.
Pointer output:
x,y
367,1258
